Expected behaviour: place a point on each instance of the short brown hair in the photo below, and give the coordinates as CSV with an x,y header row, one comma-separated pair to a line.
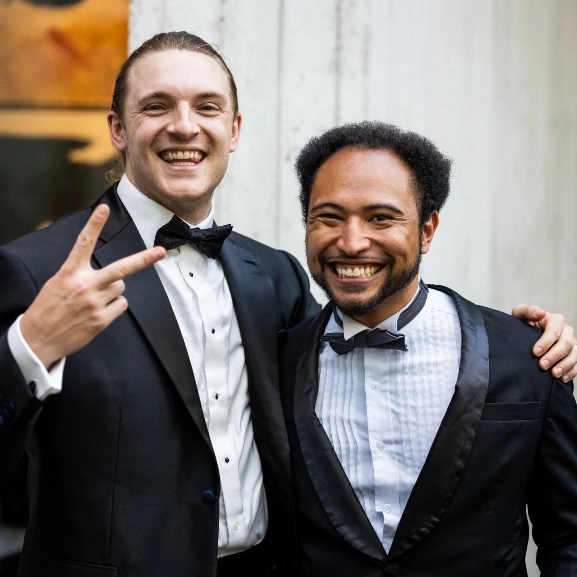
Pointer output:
x,y
167,41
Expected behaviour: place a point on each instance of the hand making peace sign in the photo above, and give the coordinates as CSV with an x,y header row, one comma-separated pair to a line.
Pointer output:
x,y
79,302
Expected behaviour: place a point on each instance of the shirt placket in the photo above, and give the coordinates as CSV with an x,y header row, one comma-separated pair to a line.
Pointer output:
x,y
381,420
216,328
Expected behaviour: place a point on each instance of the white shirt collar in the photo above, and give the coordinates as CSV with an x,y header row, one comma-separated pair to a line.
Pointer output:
x,y
147,214
351,327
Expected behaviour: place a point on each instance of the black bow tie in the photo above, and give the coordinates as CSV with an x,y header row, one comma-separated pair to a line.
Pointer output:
x,y
369,338
378,338
208,241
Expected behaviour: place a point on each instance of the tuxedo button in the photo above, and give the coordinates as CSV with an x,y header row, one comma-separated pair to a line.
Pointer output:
x,y
207,496
392,569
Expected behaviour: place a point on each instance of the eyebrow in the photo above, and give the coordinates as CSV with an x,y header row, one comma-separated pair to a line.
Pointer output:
x,y
377,206
158,94
200,96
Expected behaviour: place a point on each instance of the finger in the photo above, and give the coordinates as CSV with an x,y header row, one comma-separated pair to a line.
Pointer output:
x,y
86,240
129,265
566,365
112,311
528,313
112,292
563,345
117,307
554,329
571,359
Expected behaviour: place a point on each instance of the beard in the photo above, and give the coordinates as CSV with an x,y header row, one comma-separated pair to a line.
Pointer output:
x,y
390,286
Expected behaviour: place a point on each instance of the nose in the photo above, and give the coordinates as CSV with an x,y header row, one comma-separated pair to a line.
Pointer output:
x,y
183,122
353,238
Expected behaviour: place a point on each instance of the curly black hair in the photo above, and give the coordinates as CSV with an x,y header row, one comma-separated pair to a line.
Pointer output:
x,y
431,170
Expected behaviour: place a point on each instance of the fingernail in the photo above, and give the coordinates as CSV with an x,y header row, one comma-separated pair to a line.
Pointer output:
x,y
539,350
545,363
565,378
557,372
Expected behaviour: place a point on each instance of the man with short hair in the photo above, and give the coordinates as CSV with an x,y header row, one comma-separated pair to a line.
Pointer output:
x,y
420,424
156,441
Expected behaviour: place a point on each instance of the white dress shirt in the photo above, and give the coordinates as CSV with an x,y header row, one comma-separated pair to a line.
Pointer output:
x,y
381,409
200,298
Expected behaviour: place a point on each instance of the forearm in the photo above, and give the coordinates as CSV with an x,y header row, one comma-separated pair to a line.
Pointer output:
x,y
21,409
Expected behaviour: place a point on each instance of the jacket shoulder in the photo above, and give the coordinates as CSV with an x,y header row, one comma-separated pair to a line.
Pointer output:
x,y
282,267
509,332
49,245
503,330
267,253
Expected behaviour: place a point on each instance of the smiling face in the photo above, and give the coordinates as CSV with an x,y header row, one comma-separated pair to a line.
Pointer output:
x,y
177,129
363,239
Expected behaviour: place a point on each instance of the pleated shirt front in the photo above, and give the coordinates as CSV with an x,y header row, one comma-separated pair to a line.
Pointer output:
x,y
381,409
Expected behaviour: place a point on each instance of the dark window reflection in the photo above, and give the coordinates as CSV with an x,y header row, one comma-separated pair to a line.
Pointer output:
x,y
38,183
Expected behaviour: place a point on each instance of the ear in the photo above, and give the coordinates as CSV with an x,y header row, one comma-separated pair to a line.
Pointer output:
x,y
235,136
428,232
116,130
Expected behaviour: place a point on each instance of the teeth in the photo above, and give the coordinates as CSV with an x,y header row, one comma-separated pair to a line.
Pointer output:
x,y
193,155
357,272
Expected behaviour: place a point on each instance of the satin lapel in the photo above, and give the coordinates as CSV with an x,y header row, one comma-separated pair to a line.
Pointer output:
x,y
330,481
148,303
254,301
447,459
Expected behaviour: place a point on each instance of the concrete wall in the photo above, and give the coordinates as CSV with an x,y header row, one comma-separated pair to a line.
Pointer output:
x,y
492,82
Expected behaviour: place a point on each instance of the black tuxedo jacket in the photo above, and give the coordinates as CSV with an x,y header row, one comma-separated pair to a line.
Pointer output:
x,y
508,440
122,476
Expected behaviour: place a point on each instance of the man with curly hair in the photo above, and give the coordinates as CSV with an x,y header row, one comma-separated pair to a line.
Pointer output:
x,y
421,426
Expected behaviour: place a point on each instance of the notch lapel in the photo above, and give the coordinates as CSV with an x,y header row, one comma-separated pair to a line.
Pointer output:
x,y
447,459
148,303
326,473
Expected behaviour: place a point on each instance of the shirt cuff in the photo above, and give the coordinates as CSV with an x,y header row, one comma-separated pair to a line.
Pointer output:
x,y
41,381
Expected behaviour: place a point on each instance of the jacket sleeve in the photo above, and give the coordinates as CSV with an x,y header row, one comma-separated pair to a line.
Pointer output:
x,y
306,305
19,408
552,499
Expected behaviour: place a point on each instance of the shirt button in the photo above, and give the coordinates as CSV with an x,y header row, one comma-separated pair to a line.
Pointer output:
x,y
226,459
213,331
380,446
375,386
236,526
191,274
387,508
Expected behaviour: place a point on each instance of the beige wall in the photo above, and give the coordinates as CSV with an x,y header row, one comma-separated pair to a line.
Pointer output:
x,y
492,82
